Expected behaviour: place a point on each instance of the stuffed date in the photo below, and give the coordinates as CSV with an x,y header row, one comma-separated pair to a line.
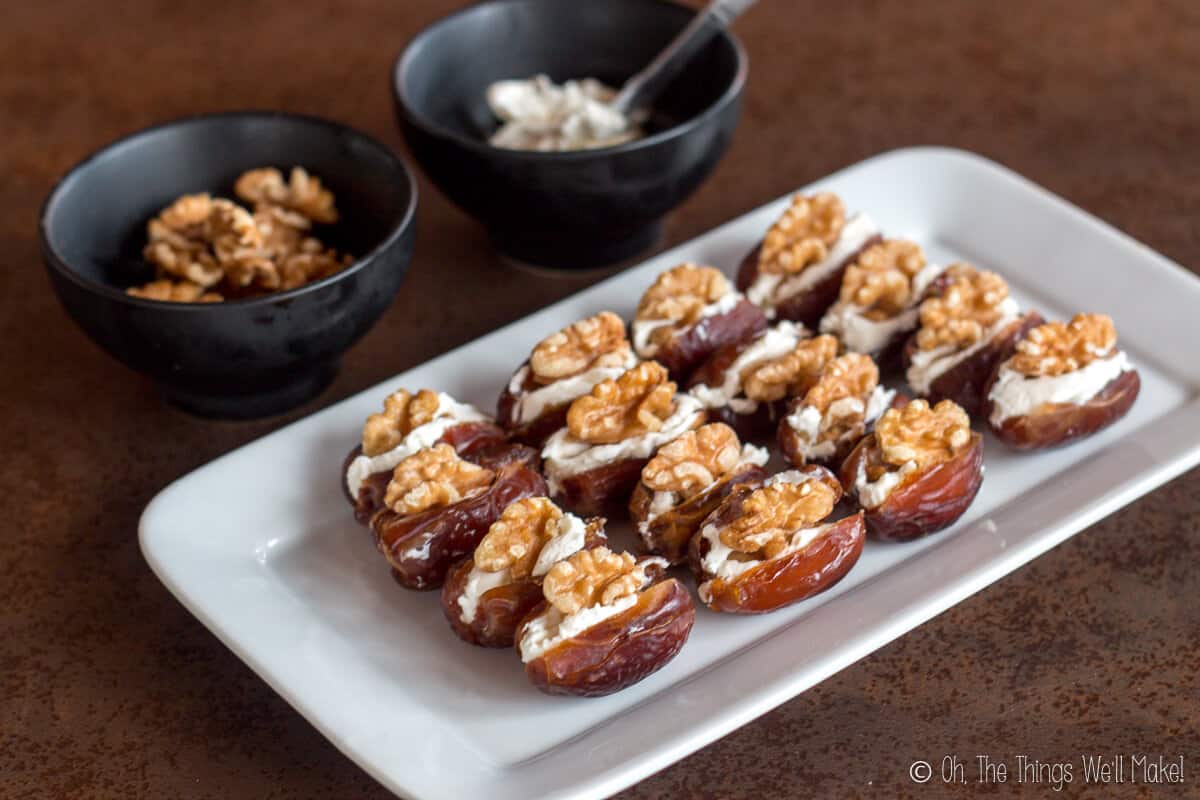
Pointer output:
x,y
607,621
918,472
771,544
1064,382
685,481
486,596
438,506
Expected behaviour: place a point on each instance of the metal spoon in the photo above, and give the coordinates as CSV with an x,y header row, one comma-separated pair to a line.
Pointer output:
x,y
639,91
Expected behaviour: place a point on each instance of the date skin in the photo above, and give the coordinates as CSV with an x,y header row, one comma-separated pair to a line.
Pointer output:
x,y
1062,423
472,440
690,346
780,582
668,534
422,547
810,305
601,492
536,431
966,382
924,503
619,651
501,608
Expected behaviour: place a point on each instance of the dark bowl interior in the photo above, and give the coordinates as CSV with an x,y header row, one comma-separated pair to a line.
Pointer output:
x,y
561,209
243,357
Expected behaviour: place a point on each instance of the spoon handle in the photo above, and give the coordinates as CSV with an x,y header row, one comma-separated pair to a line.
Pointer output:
x,y
640,90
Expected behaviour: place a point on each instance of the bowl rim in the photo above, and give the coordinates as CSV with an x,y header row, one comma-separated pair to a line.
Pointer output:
x,y
403,63
61,265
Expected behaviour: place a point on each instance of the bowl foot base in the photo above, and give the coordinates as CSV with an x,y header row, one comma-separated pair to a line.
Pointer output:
x,y
263,399
574,250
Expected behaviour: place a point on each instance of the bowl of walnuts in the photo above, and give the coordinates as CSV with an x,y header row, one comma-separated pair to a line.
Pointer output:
x,y
232,258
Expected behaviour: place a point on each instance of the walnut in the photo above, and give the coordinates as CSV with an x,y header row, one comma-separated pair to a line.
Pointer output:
x,y
299,258
1056,348
921,434
207,241
174,292
851,375
592,577
303,193
402,413
880,279
790,374
638,402
597,341
515,541
238,245
433,478
695,461
772,513
681,293
179,242
961,314
803,235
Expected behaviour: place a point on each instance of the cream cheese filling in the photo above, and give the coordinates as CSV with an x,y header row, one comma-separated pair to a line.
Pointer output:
x,y
811,425
775,342
1015,395
533,403
872,494
770,289
566,456
538,114
861,334
449,413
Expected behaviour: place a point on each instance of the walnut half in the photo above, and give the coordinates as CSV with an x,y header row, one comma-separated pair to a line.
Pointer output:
x,y
402,413
1057,348
302,193
880,279
514,541
597,341
695,461
433,478
681,293
592,577
639,401
959,315
851,375
803,234
789,374
923,434
772,513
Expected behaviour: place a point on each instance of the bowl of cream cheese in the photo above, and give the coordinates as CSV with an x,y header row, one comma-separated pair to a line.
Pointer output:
x,y
505,106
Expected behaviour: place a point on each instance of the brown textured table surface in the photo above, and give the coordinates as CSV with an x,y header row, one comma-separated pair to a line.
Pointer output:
x,y
111,689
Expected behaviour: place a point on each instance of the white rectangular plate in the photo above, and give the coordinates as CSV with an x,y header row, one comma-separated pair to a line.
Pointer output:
x,y
261,547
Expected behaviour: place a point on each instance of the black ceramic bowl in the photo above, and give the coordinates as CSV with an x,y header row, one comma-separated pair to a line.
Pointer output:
x,y
241,358
576,209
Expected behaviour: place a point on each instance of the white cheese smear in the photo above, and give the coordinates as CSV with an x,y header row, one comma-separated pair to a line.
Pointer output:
x,y
1015,395
566,456
533,403
538,114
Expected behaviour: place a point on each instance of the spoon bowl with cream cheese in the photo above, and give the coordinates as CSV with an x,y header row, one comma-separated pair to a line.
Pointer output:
x,y
566,182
